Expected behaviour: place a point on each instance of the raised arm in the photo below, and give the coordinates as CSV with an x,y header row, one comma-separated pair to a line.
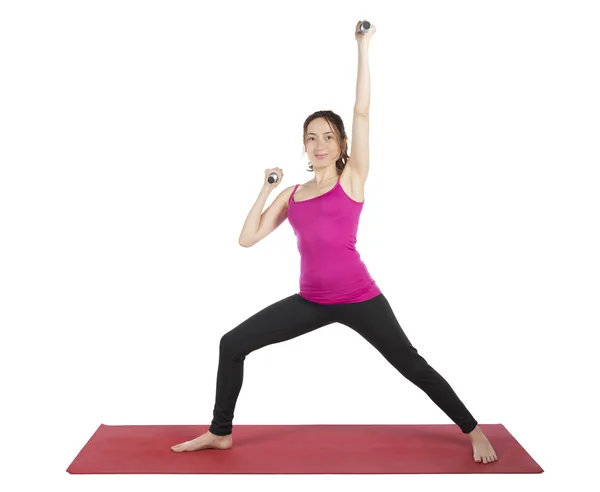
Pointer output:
x,y
359,158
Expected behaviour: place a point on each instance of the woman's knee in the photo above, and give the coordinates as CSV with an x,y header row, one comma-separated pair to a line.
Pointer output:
x,y
232,345
228,342
414,367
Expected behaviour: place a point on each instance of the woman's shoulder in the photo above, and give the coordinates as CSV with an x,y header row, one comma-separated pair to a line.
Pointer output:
x,y
285,194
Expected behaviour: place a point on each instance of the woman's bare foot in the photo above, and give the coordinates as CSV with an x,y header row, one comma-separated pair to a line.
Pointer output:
x,y
482,449
205,441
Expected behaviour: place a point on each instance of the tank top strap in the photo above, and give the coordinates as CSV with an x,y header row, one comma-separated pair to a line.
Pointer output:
x,y
294,192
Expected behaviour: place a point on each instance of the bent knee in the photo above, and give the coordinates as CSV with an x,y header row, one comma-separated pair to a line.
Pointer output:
x,y
231,346
227,342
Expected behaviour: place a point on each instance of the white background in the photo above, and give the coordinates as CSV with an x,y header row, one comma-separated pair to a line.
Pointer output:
x,y
134,141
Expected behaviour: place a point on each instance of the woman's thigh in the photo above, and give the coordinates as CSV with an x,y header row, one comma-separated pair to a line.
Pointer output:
x,y
376,322
283,320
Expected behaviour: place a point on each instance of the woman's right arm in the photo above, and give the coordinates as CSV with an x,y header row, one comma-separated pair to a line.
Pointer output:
x,y
259,225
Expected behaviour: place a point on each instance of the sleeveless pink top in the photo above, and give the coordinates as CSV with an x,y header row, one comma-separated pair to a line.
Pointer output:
x,y
331,271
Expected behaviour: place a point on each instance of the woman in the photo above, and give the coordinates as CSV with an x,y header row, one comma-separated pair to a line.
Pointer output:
x,y
335,286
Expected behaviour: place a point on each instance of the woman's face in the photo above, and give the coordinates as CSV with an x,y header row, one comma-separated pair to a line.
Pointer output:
x,y
321,144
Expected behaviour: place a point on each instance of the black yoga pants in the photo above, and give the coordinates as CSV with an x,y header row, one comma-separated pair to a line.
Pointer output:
x,y
293,316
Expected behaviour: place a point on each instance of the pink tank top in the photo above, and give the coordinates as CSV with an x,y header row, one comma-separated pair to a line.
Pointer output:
x,y
331,271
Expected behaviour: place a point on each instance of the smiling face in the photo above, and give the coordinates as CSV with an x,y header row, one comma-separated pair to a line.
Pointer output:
x,y
321,143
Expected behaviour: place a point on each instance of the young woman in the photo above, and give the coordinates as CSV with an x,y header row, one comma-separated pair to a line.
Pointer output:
x,y
335,285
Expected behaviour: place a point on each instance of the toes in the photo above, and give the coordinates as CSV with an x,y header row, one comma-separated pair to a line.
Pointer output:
x,y
486,459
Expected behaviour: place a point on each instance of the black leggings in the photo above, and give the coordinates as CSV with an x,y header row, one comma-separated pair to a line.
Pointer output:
x,y
293,316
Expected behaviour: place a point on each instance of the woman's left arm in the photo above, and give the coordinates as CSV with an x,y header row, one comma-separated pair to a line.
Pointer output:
x,y
359,159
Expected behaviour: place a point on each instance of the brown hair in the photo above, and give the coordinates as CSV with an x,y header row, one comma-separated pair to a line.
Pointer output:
x,y
340,135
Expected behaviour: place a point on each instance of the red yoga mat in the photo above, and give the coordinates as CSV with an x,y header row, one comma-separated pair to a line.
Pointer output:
x,y
300,449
